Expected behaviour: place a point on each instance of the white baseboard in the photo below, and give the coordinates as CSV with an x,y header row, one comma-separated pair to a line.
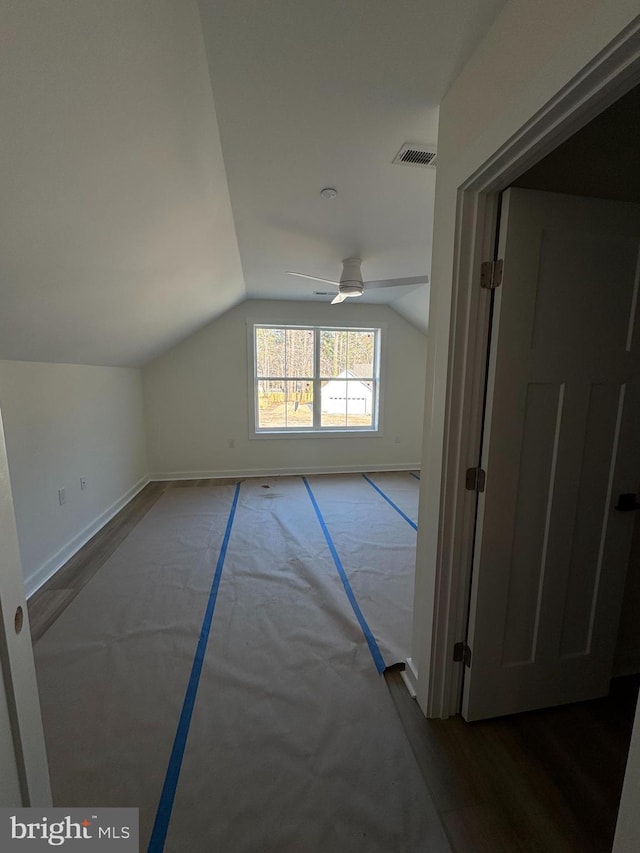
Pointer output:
x,y
410,678
281,472
48,569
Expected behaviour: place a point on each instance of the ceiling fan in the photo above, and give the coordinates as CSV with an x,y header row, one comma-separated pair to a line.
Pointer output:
x,y
351,283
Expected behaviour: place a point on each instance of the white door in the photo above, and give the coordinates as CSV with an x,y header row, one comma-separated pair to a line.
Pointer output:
x,y
24,775
562,442
10,793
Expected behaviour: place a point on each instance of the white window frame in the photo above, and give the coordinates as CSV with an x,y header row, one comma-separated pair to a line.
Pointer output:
x,y
375,430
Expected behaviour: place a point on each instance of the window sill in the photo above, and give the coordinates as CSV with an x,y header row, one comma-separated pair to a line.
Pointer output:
x,y
334,433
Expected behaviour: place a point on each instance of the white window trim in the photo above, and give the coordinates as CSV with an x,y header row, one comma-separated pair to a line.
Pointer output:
x,y
311,433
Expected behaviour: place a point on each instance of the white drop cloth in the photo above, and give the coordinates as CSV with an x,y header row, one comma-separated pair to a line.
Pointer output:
x,y
294,743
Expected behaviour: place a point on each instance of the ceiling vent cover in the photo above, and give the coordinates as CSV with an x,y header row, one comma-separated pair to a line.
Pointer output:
x,y
416,154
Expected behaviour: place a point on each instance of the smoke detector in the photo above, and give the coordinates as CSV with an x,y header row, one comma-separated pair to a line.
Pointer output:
x,y
416,154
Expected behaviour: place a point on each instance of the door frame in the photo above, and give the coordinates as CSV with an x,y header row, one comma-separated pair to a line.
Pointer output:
x,y
602,81
17,668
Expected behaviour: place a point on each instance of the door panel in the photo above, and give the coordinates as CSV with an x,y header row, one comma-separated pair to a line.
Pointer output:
x,y
560,444
589,533
529,539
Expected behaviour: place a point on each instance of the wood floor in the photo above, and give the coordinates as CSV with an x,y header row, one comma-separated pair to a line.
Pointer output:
x,y
545,782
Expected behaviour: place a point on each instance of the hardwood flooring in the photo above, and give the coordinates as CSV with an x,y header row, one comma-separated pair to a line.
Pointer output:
x,y
543,782
547,781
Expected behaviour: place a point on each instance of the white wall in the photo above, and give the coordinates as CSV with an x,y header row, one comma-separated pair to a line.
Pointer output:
x,y
63,422
197,400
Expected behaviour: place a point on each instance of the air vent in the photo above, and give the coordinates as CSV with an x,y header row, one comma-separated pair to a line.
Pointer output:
x,y
416,154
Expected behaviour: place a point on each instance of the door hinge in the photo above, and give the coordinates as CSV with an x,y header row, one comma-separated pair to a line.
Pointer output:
x,y
462,653
475,480
491,274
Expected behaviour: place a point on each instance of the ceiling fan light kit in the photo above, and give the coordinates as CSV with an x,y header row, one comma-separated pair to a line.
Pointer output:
x,y
350,283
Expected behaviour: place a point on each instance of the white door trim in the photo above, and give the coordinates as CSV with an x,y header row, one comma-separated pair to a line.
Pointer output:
x,y
17,670
601,82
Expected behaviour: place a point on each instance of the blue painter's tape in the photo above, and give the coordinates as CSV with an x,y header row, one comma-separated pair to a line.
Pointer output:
x,y
417,476
391,503
167,797
371,640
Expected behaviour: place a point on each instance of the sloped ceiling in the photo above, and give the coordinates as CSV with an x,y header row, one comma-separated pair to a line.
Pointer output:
x,y
123,229
116,233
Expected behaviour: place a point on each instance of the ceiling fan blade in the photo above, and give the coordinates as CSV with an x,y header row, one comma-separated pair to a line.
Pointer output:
x,y
313,277
397,282
339,298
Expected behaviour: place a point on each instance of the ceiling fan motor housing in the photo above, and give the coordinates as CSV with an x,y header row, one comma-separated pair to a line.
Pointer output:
x,y
351,278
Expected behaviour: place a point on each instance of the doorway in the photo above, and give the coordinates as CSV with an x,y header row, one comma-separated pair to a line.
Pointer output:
x,y
476,219
561,419
560,453
624,105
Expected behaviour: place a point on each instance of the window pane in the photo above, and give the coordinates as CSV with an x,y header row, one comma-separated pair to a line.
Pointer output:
x,y
299,404
346,403
359,404
333,352
285,404
270,350
271,404
360,347
333,403
299,352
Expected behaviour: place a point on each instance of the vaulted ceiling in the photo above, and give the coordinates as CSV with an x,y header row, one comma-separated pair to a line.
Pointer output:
x,y
162,160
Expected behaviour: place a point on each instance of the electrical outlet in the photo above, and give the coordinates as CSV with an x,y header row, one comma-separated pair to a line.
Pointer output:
x,y
398,440
62,496
232,443
83,483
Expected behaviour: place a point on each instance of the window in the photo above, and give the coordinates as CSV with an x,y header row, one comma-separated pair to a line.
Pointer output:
x,y
315,379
